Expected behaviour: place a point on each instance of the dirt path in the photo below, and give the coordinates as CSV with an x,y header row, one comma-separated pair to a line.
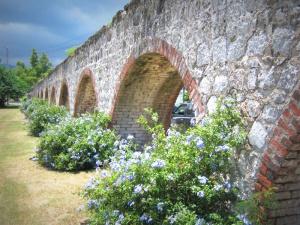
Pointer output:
x,y
29,193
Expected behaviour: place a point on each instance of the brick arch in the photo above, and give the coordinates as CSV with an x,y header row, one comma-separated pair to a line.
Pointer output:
x,y
86,97
64,95
53,96
280,165
152,77
46,94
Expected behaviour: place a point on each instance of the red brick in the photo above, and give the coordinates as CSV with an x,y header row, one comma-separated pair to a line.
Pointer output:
x,y
286,114
286,142
264,181
294,108
269,164
266,158
280,149
258,187
263,169
286,128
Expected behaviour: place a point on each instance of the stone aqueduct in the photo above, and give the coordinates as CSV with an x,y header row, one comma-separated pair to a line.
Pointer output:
x,y
246,49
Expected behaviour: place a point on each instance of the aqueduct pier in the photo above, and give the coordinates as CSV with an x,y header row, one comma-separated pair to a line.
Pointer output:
x,y
246,49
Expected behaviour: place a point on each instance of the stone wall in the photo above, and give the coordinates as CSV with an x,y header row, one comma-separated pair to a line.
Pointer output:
x,y
246,49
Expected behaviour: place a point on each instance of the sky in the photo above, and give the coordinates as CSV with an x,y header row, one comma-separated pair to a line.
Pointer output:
x,y
50,26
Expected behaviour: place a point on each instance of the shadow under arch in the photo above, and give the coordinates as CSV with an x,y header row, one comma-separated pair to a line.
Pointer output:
x,y
46,94
152,79
86,98
64,95
53,96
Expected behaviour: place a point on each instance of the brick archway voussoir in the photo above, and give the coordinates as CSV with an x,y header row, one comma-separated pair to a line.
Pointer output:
x,y
155,45
280,145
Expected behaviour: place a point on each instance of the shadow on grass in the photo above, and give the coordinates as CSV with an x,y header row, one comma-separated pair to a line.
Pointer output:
x,y
10,107
66,171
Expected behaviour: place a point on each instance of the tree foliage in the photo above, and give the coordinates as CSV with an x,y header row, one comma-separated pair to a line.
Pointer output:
x,y
15,82
11,86
71,51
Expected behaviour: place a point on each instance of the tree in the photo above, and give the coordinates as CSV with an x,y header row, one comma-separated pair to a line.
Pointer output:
x,y
17,81
44,66
10,86
34,58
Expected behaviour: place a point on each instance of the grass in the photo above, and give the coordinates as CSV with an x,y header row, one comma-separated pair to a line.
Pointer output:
x,y
31,194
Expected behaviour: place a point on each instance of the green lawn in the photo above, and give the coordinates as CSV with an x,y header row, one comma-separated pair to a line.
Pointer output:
x,y
31,194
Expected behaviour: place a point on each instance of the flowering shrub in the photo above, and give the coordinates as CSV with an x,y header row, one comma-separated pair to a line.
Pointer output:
x,y
181,178
40,114
77,143
25,103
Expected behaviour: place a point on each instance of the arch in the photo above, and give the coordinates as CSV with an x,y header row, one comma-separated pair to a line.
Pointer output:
x,y
64,95
152,78
86,98
46,94
53,96
280,165
41,94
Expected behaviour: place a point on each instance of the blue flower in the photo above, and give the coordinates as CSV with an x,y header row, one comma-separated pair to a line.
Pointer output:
x,y
218,187
131,203
227,185
98,163
171,132
202,179
148,148
222,148
200,194
200,221
193,122
120,219
138,189
104,174
189,139
91,184
199,143
146,218
198,159
115,166
244,219
172,219
92,204
158,164
130,137
160,206
130,176
116,212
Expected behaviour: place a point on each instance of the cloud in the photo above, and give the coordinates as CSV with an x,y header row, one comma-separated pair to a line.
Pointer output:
x,y
17,30
20,38
51,26
86,21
